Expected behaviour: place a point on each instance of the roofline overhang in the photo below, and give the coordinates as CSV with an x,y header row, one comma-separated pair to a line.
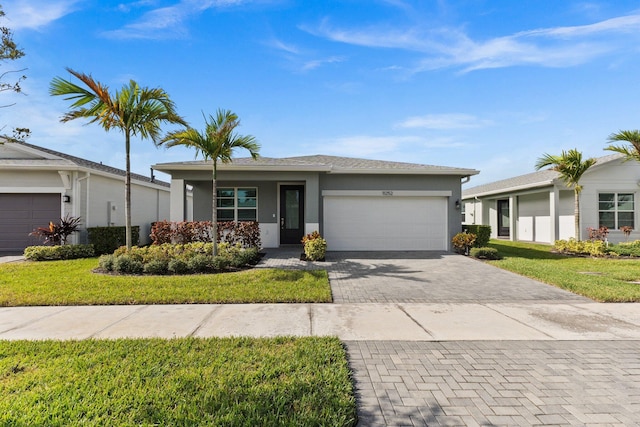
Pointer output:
x,y
75,168
511,189
168,167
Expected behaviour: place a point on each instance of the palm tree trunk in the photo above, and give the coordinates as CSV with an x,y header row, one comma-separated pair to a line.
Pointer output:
x,y
127,191
576,213
214,207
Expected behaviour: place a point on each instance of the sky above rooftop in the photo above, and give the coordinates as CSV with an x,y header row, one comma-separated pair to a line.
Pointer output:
x,y
489,85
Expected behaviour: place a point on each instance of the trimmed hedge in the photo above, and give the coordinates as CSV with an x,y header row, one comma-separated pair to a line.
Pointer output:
x,y
105,240
179,259
50,253
485,253
482,232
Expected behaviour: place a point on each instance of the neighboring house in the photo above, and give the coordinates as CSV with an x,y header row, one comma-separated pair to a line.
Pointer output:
x,y
539,207
38,185
356,204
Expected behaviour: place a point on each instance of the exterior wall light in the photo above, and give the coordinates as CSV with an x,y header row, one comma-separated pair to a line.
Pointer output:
x,y
66,199
457,204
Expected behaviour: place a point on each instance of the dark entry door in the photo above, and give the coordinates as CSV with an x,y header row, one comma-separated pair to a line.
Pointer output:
x,y
503,218
291,214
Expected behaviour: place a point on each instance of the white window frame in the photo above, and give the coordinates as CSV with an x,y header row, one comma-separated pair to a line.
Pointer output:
x,y
235,206
615,210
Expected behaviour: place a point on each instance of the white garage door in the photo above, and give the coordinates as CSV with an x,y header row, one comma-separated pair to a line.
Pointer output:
x,y
395,223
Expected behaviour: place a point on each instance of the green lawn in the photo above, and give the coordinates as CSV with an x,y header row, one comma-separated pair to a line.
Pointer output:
x,y
73,283
178,382
601,279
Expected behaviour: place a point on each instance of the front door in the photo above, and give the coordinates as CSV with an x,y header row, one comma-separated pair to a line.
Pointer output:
x,y
503,218
291,214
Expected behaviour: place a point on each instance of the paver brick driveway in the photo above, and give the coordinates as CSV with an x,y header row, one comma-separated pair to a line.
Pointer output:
x,y
430,277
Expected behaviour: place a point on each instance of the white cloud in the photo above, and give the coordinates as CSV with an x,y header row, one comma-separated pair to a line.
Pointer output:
x,y
311,65
168,22
453,47
36,14
444,122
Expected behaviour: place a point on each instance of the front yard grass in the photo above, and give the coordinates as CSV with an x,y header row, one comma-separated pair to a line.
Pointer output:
x,y
601,279
216,381
73,283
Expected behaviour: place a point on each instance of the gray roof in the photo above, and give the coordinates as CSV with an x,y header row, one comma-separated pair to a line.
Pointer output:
x,y
73,160
321,163
538,179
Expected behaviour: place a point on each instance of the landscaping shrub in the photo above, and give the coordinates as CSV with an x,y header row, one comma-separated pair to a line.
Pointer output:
x,y
57,234
106,262
178,266
49,253
462,242
315,247
581,247
105,240
482,232
127,264
156,266
485,253
246,233
178,258
626,249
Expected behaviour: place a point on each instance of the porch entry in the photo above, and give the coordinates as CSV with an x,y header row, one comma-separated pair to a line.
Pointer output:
x,y
291,214
503,218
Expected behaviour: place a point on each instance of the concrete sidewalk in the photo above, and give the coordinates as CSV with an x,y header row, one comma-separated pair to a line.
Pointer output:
x,y
352,322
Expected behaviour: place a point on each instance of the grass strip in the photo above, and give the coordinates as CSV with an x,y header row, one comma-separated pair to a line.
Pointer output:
x,y
601,279
72,282
218,381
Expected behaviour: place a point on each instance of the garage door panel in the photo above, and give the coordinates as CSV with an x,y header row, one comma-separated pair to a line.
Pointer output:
x,y
385,223
20,214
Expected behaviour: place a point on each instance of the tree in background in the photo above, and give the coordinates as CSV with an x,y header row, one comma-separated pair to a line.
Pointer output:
x,y
216,143
134,110
9,51
571,167
632,151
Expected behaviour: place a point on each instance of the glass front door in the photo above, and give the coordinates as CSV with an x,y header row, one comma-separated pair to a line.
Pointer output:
x,y
503,218
291,214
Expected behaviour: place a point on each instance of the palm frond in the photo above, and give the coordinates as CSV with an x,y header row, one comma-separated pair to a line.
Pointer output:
x,y
630,152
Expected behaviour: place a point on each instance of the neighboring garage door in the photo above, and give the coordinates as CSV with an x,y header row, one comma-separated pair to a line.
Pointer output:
x,y
373,223
20,214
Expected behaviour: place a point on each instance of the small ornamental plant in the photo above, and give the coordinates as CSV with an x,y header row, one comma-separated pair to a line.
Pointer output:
x,y
57,234
315,247
626,230
462,242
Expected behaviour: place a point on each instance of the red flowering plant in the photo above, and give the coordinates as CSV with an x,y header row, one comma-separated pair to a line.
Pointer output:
x,y
57,234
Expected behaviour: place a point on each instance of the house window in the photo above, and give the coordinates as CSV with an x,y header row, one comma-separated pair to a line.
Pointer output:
x,y
237,204
616,210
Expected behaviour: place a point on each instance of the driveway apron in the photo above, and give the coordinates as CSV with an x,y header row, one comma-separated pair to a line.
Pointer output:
x,y
574,380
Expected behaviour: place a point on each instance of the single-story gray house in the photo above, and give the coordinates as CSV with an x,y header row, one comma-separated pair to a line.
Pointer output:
x,y
356,204
38,185
538,207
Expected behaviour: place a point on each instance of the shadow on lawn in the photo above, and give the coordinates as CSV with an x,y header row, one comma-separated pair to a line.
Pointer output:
x,y
510,250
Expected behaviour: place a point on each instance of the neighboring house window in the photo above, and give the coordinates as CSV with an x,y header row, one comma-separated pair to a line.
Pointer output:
x,y
616,210
237,204
463,209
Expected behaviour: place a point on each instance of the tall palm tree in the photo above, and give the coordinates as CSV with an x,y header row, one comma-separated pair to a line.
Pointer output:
x,y
632,137
571,168
216,143
134,110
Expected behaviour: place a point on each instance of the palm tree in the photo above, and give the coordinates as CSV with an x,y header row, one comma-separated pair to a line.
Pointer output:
x,y
134,110
216,143
631,136
571,168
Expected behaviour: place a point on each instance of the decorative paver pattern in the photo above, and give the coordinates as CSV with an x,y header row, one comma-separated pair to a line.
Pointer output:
x,y
419,277
496,383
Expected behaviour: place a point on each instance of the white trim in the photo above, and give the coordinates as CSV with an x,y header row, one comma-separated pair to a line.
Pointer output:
x,y
385,193
59,190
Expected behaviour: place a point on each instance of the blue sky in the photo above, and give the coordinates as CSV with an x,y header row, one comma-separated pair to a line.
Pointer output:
x,y
490,85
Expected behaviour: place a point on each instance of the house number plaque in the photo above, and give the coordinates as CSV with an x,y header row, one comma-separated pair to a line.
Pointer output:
x,y
387,193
